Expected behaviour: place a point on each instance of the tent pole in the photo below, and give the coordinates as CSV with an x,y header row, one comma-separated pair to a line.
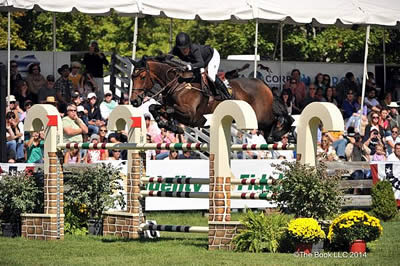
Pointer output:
x,y
134,43
54,43
364,70
255,50
384,60
8,58
170,34
281,57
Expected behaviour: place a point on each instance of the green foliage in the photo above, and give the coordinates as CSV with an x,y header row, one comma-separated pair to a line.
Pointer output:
x,y
262,232
75,219
384,204
18,194
93,189
309,191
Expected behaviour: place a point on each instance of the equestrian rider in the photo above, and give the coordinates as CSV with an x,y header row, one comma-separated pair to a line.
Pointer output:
x,y
200,57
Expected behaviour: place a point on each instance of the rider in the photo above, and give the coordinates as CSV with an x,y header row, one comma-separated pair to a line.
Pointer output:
x,y
200,57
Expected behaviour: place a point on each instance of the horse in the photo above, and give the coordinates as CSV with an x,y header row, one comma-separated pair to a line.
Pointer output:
x,y
183,99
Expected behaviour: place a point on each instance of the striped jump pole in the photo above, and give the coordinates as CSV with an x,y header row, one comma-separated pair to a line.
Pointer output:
x,y
169,146
205,181
175,228
173,194
252,195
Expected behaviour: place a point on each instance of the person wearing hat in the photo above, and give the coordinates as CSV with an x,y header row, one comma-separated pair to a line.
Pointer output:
x,y
94,61
200,57
74,75
93,114
73,126
107,105
63,87
76,98
47,90
93,156
394,116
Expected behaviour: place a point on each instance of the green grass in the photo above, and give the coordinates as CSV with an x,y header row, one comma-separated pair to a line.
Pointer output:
x,y
176,249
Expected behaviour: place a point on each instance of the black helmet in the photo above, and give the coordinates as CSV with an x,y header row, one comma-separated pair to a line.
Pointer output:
x,y
182,40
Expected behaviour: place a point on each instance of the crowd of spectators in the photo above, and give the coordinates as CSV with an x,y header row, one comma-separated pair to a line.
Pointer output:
x,y
371,133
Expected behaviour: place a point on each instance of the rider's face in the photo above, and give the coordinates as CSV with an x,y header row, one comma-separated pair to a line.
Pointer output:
x,y
185,51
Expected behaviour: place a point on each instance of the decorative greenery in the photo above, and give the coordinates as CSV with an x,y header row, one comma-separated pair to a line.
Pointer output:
x,y
354,225
75,219
18,194
263,232
309,191
305,230
384,204
94,189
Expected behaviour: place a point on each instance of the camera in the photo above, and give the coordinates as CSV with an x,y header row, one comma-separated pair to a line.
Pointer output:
x,y
96,49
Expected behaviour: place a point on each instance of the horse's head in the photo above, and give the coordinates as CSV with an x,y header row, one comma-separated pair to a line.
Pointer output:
x,y
141,81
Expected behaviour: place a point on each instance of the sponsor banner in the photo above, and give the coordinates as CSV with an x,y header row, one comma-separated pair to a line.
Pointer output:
x,y
308,70
13,168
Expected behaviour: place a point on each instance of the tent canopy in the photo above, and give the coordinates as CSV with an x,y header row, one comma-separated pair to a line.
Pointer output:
x,y
322,12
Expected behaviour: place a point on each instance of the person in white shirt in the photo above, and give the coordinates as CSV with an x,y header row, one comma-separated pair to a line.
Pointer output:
x,y
107,105
257,138
392,140
395,156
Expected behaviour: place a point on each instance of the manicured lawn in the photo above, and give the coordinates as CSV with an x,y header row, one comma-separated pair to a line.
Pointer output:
x,y
177,249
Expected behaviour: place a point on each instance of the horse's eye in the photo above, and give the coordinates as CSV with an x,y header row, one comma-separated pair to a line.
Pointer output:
x,y
143,77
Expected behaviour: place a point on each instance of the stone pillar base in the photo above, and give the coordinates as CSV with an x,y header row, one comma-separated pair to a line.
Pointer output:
x,y
42,226
121,224
220,234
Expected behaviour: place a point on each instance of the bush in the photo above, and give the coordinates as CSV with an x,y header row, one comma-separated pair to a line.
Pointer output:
x,y
19,193
90,192
384,205
309,191
263,233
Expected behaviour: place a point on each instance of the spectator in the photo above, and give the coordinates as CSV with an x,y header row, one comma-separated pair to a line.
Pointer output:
x,y
94,121
164,137
102,134
63,87
239,140
75,76
380,154
27,106
186,155
374,138
386,100
116,155
319,95
299,90
289,102
94,156
15,76
329,96
117,138
288,154
326,82
325,151
12,136
395,156
73,126
34,148
384,121
356,151
47,90
348,83
72,156
150,154
371,101
319,81
87,84
392,139
34,79
349,105
374,123
76,98
394,115
172,155
107,105
311,97
14,107
94,61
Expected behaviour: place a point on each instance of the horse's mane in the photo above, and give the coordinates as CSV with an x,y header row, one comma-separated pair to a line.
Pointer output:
x,y
166,59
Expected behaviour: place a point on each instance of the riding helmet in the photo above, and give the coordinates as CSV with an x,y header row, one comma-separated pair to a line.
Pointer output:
x,y
182,40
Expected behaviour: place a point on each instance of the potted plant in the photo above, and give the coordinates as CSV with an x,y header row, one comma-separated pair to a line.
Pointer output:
x,y
304,232
354,229
19,193
91,191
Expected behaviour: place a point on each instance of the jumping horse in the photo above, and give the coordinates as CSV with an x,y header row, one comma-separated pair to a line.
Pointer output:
x,y
183,99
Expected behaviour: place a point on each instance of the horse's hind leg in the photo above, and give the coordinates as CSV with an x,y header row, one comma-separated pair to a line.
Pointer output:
x,y
187,116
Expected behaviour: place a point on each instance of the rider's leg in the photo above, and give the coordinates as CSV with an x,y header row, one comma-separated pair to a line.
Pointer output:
x,y
221,88
213,66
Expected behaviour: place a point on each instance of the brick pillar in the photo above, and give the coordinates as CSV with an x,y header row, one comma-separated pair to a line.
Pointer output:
x,y
50,225
127,224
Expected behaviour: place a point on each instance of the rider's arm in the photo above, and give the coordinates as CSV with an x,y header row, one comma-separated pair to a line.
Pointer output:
x,y
198,61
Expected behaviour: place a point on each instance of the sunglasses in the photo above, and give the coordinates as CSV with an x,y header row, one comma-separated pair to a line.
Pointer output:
x,y
35,68
14,65
103,130
72,110
375,117
12,102
395,132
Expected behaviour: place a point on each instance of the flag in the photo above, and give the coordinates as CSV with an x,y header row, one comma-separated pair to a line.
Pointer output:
x,y
388,171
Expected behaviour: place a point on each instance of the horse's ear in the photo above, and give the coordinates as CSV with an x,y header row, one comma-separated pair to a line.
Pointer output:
x,y
134,63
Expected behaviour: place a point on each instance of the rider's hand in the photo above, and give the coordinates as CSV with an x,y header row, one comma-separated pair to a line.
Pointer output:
x,y
187,68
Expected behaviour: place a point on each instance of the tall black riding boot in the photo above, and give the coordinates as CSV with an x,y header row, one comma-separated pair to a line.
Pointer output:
x,y
222,89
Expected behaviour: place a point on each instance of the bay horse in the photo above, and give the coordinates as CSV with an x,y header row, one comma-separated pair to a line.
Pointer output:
x,y
184,100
